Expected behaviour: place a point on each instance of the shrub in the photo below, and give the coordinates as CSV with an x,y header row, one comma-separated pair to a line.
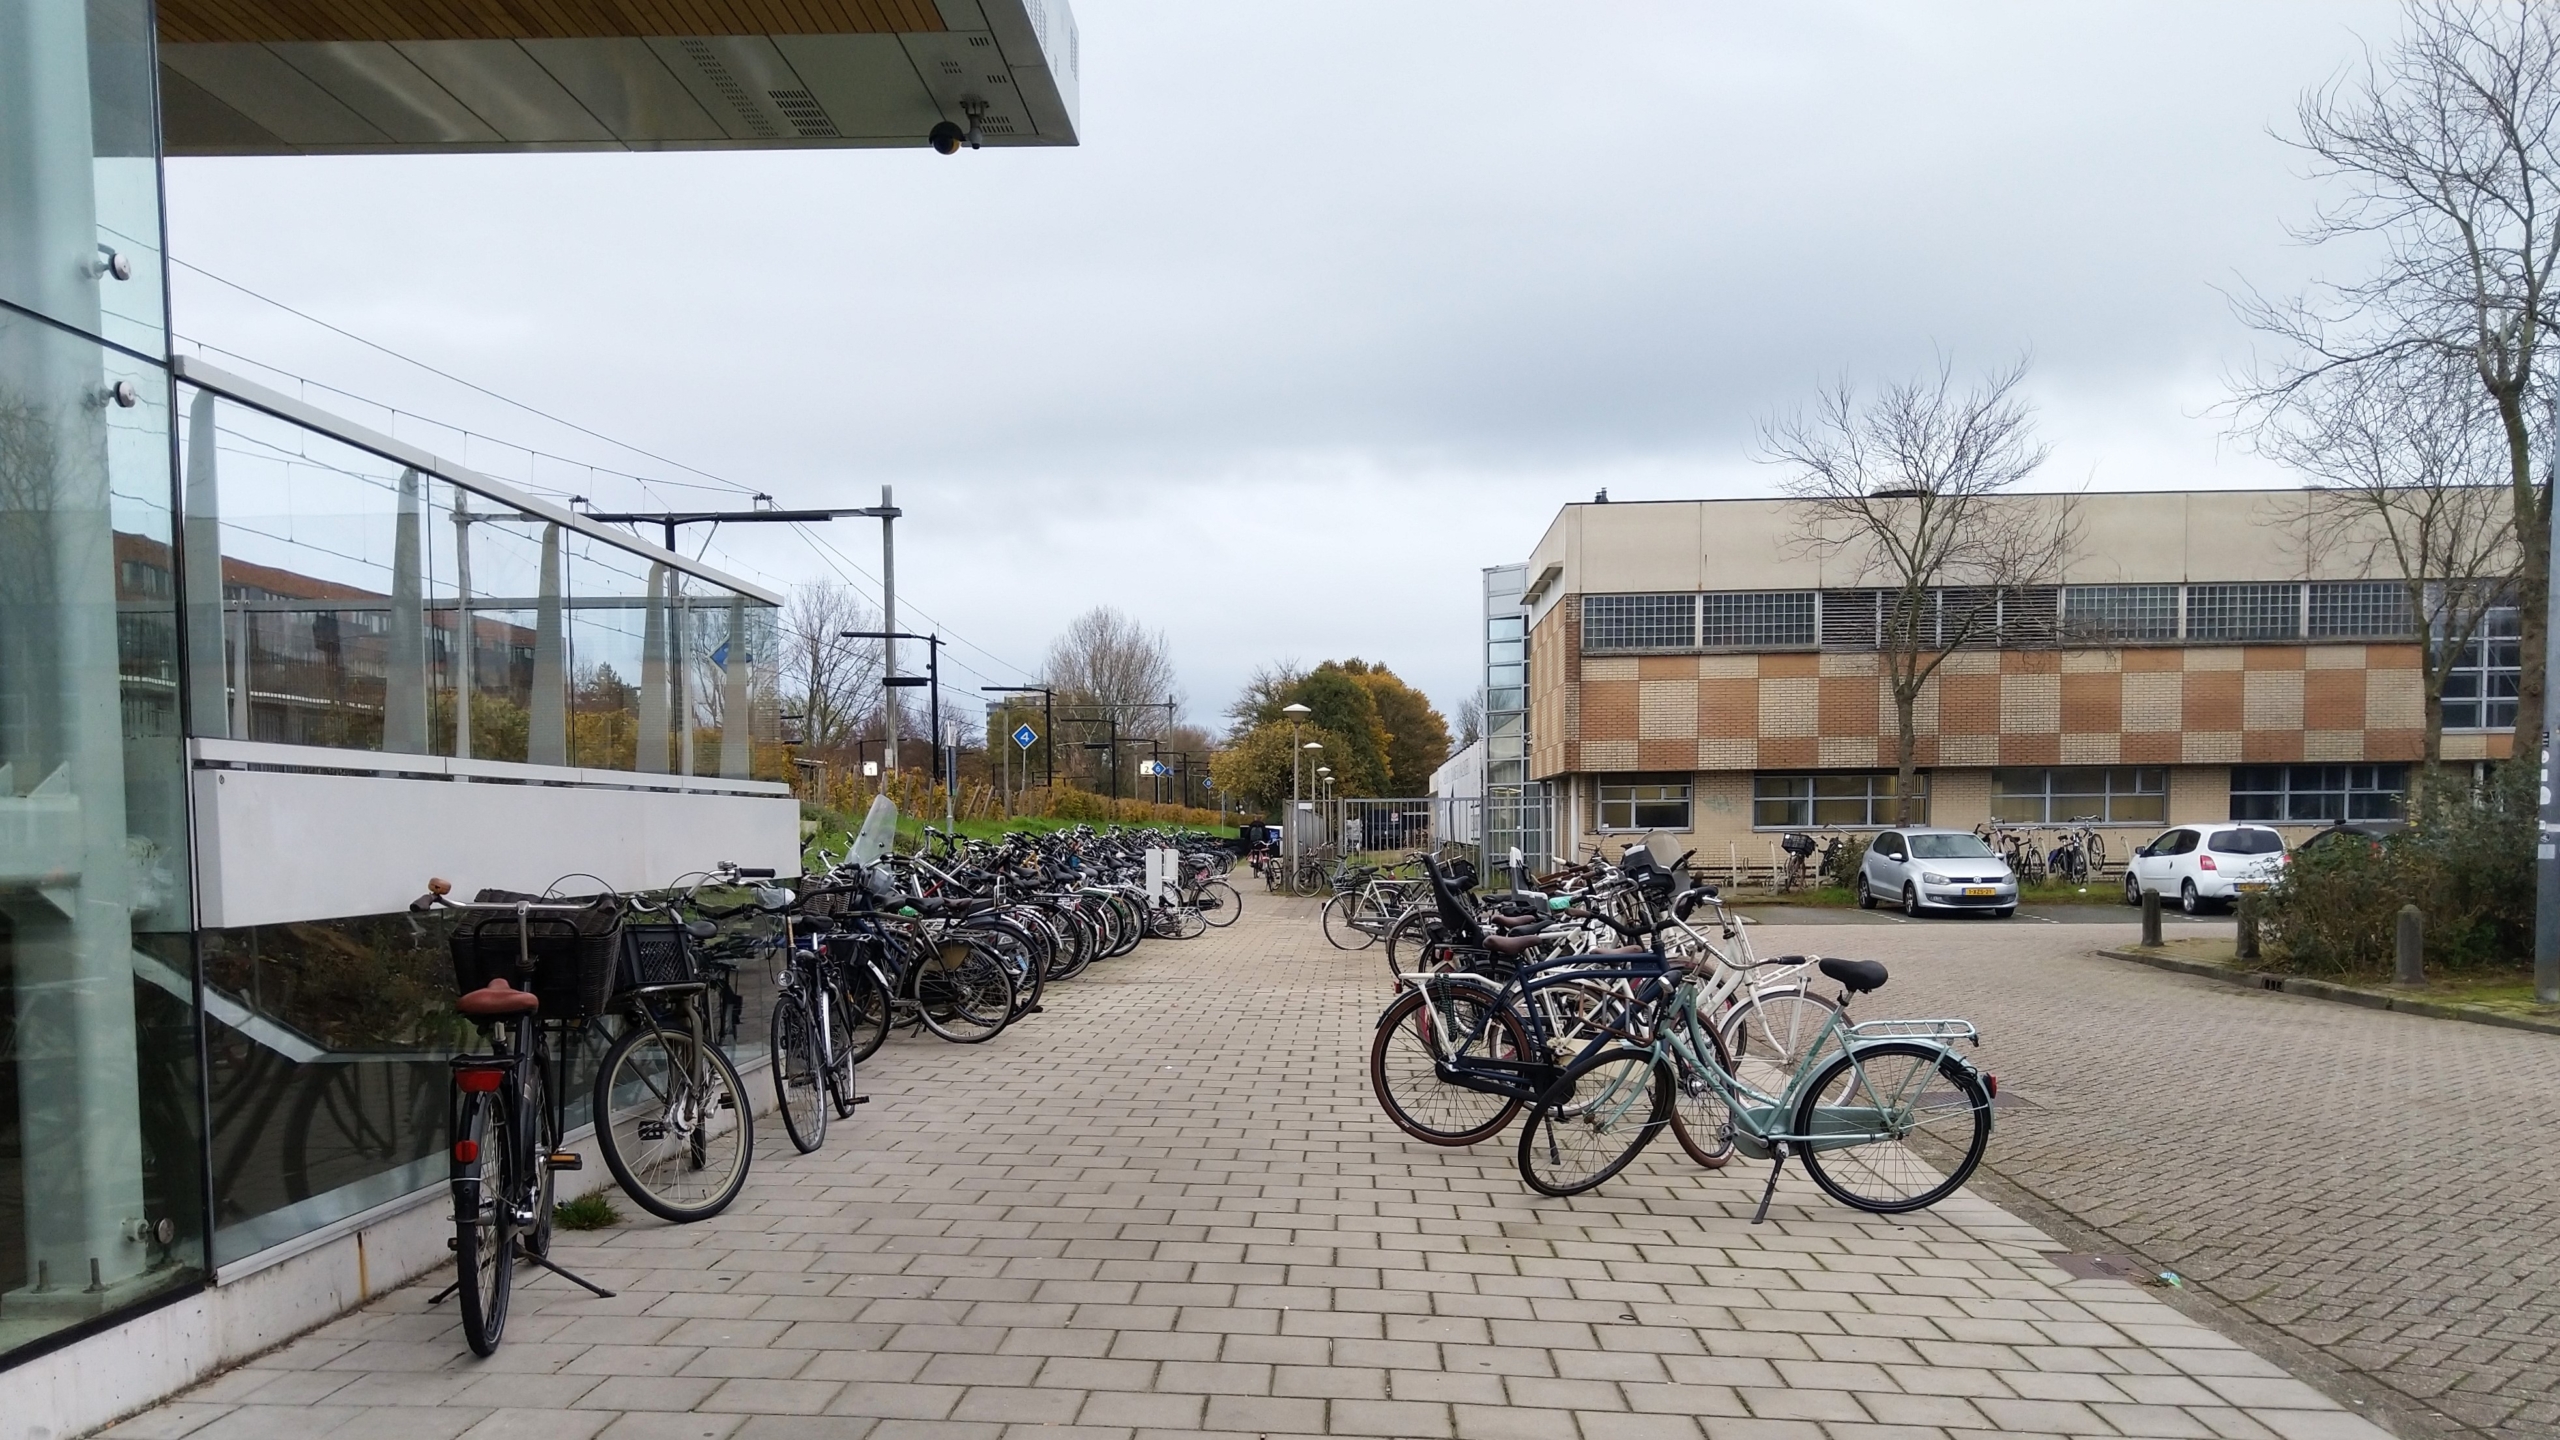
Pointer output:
x,y
2466,862
1844,867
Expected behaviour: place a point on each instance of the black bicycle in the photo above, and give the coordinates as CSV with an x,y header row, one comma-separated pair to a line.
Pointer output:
x,y
528,973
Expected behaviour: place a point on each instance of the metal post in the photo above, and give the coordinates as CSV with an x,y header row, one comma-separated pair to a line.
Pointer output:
x,y
2150,919
933,697
889,623
2409,957
2546,866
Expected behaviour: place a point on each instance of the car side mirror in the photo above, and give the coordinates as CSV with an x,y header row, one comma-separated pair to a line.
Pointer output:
x,y
2141,849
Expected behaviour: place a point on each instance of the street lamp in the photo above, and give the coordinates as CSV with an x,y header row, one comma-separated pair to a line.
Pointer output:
x,y
1289,837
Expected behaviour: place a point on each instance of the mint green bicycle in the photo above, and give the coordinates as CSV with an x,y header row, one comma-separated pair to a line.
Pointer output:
x,y
1885,1115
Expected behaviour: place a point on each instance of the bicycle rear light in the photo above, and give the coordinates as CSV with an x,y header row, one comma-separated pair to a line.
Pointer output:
x,y
1992,1084
466,1152
480,1082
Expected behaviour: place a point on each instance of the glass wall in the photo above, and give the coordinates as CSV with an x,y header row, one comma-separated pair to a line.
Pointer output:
x,y
342,599
101,1158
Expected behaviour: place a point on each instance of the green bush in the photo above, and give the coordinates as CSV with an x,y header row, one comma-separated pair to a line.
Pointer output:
x,y
1844,867
2466,862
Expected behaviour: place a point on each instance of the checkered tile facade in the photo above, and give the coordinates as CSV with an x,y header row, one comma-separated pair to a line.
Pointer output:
x,y
2135,705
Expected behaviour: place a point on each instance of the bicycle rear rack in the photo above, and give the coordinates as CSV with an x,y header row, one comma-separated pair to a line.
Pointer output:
x,y
1945,1030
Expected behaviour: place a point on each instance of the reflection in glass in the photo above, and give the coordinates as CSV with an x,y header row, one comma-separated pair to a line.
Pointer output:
x,y
80,202
99,1155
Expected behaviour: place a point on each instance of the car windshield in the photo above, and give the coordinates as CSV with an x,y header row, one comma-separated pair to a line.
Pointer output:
x,y
2245,842
1949,847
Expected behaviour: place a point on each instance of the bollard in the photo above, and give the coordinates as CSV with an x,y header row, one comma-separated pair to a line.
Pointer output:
x,y
2412,966
2247,947
2151,919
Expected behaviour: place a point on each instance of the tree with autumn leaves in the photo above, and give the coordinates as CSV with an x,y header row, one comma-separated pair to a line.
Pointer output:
x,y
1380,735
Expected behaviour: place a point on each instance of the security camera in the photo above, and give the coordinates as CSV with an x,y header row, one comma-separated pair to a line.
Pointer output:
x,y
946,138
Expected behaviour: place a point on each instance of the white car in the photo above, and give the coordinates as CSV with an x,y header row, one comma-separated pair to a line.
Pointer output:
x,y
2206,865
1927,869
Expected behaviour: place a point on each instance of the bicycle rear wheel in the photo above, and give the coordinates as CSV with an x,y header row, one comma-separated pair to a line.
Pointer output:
x,y
837,1065
1775,1027
1220,903
1595,1120
1338,929
963,994
799,1090
1404,1071
672,1121
864,1008
483,1223
1880,1099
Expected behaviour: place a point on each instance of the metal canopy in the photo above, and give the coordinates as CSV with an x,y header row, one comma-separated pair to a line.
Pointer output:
x,y
280,77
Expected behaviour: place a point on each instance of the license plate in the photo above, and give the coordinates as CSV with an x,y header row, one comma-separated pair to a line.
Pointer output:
x,y
2253,884
1980,890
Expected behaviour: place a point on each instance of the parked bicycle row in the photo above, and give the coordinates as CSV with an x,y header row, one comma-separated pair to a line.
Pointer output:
x,y
958,939
1614,1001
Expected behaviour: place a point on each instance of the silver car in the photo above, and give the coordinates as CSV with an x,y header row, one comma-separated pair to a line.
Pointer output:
x,y
1924,869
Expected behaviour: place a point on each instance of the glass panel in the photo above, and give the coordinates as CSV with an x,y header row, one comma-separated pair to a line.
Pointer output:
x,y
2244,612
100,1122
2120,612
1505,652
80,198
1505,627
1758,619
2357,608
1639,622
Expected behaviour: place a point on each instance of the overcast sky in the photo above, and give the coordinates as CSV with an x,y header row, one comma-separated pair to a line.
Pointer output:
x,y
1336,303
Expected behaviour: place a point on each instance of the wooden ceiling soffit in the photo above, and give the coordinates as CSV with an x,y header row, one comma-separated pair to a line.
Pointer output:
x,y
289,21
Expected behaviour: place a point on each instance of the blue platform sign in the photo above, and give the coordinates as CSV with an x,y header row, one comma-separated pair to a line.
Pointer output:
x,y
1024,735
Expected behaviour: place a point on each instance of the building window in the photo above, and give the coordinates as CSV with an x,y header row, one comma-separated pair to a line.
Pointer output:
x,y
1855,801
2310,794
1644,805
2120,612
2480,691
1639,622
2358,609
2244,612
1757,620
2065,795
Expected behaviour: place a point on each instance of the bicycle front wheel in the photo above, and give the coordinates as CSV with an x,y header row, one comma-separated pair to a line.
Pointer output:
x,y
1897,1126
483,1222
1336,919
800,1092
1700,1119
1775,1027
1593,1122
672,1121
838,1064
1220,903
1404,1067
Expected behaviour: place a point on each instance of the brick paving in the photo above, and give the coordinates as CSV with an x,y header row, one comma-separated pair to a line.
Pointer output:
x,y
1168,1206
2382,1188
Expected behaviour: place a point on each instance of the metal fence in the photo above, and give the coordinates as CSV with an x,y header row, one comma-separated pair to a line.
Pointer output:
x,y
1475,826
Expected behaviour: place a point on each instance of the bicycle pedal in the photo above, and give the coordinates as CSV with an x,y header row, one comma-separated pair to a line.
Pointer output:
x,y
1036,1009
861,1099
566,1160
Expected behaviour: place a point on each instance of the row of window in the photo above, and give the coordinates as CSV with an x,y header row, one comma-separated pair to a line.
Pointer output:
x,y
2023,795
2032,615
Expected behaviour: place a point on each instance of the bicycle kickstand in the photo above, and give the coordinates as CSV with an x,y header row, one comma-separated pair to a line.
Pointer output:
x,y
577,1280
1778,1163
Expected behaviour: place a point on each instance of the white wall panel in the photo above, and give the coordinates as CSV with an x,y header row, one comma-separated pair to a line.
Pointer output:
x,y
277,845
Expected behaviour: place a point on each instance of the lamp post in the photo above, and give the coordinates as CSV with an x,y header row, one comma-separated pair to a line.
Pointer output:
x,y
1289,834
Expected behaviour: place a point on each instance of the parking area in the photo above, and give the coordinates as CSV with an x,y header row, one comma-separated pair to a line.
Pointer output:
x,y
1170,1206
2368,1194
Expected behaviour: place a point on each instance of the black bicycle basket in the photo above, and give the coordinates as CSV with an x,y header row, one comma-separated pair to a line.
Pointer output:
x,y
572,955
658,955
1796,843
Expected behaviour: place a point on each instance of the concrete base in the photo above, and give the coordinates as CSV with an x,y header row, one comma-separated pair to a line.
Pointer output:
x,y
253,1308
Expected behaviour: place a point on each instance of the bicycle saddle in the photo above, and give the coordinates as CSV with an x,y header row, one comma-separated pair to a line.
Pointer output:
x,y
1519,944
1860,976
496,999
1515,922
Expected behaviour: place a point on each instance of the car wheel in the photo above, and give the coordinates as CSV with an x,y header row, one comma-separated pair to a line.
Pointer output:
x,y
1911,901
1866,897
2188,899
2132,890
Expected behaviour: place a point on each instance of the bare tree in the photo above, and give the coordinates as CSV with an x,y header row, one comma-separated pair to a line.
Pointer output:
x,y
831,682
1909,491
2447,149
1111,663
1471,718
1263,695
2408,466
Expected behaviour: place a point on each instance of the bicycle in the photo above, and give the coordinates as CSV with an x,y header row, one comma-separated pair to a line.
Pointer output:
x,y
507,1109
1366,904
1849,1109
813,1064
2082,853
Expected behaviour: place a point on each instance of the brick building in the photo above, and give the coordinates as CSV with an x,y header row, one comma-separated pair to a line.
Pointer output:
x,y
1694,667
